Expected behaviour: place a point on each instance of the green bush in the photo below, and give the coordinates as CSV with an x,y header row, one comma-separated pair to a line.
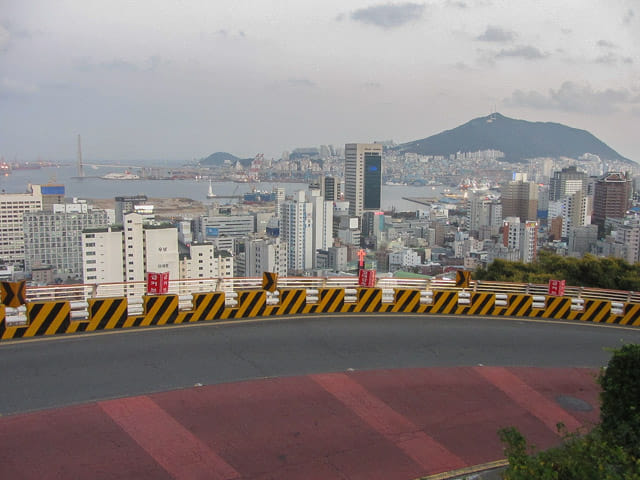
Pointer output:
x,y
588,457
620,398
588,271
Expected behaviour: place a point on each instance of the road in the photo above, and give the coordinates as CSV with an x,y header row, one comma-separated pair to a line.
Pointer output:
x,y
52,372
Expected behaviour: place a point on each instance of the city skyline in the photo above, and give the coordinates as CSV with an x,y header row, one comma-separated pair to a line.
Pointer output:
x,y
139,81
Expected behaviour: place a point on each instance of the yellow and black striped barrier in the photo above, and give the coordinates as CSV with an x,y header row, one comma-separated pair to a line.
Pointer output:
x,y
106,314
292,301
205,306
43,318
481,303
51,318
369,300
251,303
330,300
631,315
555,307
406,300
518,305
444,301
594,311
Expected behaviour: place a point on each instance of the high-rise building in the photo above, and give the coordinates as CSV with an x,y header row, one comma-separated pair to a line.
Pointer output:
x,y
223,230
573,211
567,182
628,234
330,188
362,177
521,237
280,198
484,216
125,253
520,199
322,223
53,238
296,230
611,198
12,208
582,239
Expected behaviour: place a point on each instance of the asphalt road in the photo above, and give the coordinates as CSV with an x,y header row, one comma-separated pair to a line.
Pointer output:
x,y
58,371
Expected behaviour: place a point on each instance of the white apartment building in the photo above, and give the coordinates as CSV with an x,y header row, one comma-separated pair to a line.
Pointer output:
x,y
203,261
521,237
403,259
266,255
574,211
296,230
484,211
628,235
322,223
12,208
127,253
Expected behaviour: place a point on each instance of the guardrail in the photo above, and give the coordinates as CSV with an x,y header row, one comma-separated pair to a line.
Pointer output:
x,y
131,290
243,300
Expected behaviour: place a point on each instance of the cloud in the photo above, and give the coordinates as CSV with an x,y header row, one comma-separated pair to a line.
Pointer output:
x,y
496,34
389,15
573,97
605,44
302,82
456,4
5,37
528,52
16,88
611,58
87,64
635,111
372,85
463,67
118,64
628,17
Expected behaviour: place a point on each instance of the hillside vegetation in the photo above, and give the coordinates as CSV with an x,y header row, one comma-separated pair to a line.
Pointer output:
x,y
589,271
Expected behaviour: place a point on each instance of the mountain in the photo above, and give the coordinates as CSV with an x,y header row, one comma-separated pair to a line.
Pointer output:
x,y
219,158
518,139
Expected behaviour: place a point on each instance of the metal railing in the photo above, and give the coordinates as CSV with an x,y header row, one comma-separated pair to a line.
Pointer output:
x,y
136,290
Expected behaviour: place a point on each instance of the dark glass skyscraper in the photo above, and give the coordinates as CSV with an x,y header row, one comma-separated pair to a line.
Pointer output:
x,y
372,180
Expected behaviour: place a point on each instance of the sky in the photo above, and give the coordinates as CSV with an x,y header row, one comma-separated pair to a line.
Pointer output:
x,y
171,80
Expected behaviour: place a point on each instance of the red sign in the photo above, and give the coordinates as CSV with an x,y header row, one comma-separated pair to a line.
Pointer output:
x,y
157,282
556,287
367,278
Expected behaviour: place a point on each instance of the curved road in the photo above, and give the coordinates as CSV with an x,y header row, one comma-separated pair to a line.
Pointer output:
x,y
50,372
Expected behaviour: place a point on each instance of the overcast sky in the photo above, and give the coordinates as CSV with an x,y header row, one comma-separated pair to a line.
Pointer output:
x,y
182,79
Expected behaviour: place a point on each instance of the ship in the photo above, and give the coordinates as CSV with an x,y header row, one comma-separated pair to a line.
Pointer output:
x,y
121,176
258,196
210,193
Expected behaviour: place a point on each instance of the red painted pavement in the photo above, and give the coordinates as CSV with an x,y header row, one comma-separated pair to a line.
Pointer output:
x,y
171,445
386,424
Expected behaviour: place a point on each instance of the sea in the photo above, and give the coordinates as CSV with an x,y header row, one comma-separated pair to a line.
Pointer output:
x,y
92,186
